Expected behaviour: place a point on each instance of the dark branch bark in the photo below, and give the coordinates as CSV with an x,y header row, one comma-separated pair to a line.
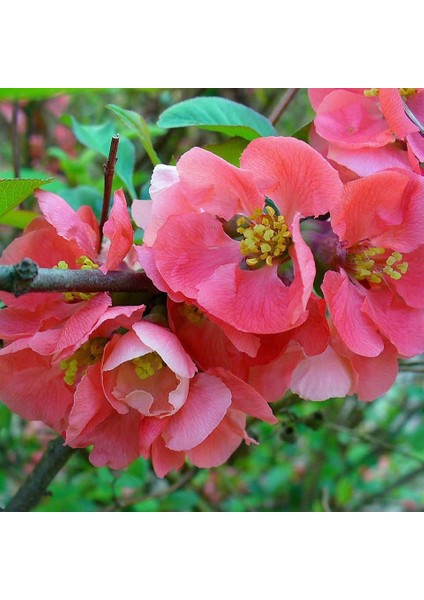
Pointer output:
x,y
282,105
26,277
109,170
35,487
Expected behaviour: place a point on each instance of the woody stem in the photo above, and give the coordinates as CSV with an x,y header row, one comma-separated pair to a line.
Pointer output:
x,y
26,277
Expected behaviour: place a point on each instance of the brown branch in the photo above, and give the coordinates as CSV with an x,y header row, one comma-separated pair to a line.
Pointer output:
x,y
282,105
109,170
34,488
26,277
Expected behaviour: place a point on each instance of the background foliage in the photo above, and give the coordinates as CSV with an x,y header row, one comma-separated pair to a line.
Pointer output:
x,y
339,455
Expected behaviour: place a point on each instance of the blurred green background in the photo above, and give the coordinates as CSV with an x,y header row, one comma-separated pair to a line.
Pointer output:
x,y
338,455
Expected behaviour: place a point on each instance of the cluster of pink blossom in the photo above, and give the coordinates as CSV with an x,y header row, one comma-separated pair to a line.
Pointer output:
x,y
270,276
362,131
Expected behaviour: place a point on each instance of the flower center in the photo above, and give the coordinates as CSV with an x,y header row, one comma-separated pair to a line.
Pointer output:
x,y
86,263
404,92
266,236
76,365
192,313
147,365
373,263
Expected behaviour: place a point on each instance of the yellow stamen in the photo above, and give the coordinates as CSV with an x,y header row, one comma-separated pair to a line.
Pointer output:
x,y
76,365
146,366
365,268
407,92
265,234
192,313
371,92
86,263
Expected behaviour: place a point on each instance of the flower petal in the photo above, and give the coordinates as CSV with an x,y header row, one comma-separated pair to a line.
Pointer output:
x,y
323,376
293,175
345,303
244,397
67,222
206,405
214,185
119,230
167,345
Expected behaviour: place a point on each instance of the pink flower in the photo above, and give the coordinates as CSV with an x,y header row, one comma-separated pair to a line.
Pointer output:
x,y
40,371
338,372
144,397
376,293
66,238
269,367
228,239
361,129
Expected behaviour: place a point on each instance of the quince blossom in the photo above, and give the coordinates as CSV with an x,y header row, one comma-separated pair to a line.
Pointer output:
x,y
228,239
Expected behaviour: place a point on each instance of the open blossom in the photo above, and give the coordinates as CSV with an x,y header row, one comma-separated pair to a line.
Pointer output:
x,y
374,292
145,397
64,238
56,356
362,131
228,239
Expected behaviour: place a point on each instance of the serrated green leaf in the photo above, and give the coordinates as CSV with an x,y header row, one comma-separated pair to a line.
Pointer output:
x,y
98,138
217,114
14,191
138,125
18,218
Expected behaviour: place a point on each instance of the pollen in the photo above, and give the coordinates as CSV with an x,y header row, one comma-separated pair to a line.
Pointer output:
x,y
148,365
371,92
266,237
407,92
76,365
192,313
85,263
372,264
404,92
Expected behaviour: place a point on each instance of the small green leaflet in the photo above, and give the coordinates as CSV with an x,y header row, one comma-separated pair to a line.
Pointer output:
x,y
98,138
217,114
18,218
14,191
137,125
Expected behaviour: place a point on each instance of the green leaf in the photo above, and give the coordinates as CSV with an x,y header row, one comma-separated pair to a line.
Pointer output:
x,y
14,191
230,150
98,138
217,114
38,93
82,195
137,125
303,133
18,218
26,173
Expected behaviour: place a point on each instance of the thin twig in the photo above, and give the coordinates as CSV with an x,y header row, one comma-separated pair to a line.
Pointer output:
x,y
15,140
389,488
365,437
34,488
26,277
109,170
282,105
